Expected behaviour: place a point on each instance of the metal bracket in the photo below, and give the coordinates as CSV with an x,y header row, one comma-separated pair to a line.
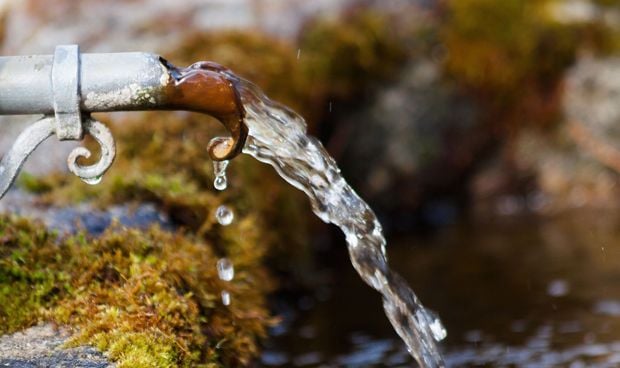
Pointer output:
x,y
66,92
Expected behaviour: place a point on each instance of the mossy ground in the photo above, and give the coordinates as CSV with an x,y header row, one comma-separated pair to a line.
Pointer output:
x,y
149,298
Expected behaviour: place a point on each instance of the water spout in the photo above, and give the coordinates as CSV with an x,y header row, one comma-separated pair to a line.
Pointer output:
x,y
68,86
204,87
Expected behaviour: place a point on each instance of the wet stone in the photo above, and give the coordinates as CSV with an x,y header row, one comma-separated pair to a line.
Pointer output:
x,y
42,346
83,216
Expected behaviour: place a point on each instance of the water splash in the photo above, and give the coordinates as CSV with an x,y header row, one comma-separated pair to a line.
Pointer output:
x,y
224,215
277,136
219,169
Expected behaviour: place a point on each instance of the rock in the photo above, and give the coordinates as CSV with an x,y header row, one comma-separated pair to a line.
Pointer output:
x,y
83,216
42,346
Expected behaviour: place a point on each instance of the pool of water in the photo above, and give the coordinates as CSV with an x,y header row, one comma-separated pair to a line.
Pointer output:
x,y
512,291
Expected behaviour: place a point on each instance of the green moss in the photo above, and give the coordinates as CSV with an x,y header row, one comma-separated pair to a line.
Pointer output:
x,y
23,289
32,184
148,298
144,349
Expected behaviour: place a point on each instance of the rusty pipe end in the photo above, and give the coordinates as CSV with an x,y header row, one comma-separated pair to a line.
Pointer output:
x,y
207,87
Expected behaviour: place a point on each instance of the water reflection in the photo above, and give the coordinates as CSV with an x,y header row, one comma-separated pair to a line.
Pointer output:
x,y
512,291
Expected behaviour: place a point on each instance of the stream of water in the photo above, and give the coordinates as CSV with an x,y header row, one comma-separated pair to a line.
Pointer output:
x,y
277,136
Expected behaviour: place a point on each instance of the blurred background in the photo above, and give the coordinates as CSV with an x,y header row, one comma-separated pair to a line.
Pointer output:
x,y
485,134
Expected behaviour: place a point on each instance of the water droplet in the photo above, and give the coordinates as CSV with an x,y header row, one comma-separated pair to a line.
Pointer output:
x,y
92,181
225,297
224,215
219,170
220,182
225,269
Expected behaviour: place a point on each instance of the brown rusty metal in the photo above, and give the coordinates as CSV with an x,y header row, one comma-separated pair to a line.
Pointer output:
x,y
206,87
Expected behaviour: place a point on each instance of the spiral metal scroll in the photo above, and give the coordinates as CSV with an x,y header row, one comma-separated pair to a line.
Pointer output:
x,y
92,174
35,134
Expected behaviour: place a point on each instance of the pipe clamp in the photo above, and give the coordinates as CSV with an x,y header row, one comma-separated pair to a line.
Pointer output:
x,y
66,92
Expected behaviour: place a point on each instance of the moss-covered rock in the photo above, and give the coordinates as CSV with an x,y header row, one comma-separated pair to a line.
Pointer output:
x,y
148,298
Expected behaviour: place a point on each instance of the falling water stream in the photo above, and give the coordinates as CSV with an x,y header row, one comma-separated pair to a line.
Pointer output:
x,y
277,136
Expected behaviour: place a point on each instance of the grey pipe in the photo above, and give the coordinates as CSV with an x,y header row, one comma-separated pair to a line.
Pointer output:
x,y
107,82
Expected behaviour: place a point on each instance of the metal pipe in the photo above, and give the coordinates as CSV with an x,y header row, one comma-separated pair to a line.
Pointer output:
x,y
68,86
108,82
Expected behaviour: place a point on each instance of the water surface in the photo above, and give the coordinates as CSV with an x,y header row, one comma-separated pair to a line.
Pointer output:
x,y
513,292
